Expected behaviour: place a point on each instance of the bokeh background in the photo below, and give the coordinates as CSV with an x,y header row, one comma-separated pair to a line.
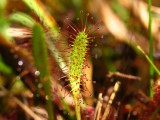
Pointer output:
x,y
120,28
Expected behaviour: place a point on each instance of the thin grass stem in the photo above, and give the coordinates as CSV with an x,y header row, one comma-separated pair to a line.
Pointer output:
x,y
150,46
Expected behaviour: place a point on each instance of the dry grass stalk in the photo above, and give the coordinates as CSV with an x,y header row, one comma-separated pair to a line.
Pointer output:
x,y
122,75
98,107
23,106
108,107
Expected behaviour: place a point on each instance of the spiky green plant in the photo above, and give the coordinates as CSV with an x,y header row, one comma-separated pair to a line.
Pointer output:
x,y
76,63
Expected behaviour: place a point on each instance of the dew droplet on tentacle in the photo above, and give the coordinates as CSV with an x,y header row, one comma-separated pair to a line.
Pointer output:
x,y
20,62
37,73
85,24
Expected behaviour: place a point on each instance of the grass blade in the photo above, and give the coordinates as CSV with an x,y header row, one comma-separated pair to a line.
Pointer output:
x,y
150,47
4,68
41,60
50,23
22,18
149,60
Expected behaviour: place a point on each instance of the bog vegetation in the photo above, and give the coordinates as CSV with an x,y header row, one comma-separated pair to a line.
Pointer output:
x,y
79,60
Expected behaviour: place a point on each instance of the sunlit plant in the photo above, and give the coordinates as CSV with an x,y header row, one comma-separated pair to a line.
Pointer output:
x,y
79,42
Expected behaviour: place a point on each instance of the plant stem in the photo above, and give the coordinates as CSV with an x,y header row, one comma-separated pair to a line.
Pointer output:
x,y
149,60
77,58
150,46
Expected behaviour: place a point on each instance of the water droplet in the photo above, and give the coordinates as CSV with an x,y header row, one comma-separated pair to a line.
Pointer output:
x,y
46,97
20,63
37,73
40,85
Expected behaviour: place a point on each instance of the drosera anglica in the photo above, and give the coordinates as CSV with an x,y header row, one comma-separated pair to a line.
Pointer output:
x,y
80,39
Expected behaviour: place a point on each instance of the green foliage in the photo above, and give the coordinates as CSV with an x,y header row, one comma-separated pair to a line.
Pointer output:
x,y
50,24
4,68
4,24
40,50
44,16
71,60
76,63
4,27
150,46
41,60
22,18
2,6
149,60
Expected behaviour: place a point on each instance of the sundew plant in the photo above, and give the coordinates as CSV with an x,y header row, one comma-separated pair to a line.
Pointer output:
x,y
79,60
79,42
